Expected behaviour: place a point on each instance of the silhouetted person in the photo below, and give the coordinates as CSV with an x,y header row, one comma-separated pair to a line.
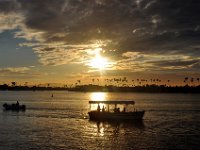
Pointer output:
x,y
103,109
98,108
17,104
124,109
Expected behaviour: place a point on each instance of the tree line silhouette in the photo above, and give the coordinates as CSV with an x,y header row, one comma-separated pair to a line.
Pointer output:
x,y
188,81
190,85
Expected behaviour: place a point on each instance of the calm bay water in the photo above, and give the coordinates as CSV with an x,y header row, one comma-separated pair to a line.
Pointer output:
x,y
171,121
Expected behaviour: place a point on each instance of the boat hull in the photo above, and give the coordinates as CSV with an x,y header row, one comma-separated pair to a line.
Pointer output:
x,y
95,115
14,107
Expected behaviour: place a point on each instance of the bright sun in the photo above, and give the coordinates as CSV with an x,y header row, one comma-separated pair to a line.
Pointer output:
x,y
98,61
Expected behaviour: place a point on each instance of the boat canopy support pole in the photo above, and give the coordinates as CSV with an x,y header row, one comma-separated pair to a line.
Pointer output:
x,y
115,106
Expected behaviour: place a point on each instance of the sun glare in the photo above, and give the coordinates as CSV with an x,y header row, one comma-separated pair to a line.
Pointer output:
x,y
98,61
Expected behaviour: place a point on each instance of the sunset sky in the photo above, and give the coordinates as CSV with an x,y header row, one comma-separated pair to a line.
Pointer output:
x,y
62,41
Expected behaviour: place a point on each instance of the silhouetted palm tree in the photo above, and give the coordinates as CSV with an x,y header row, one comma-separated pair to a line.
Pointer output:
x,y
192,80
168,81
79,81
13,83
198,80
93,80
186,79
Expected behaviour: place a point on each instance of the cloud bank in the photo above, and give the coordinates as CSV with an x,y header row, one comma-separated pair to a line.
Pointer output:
x,y
139,35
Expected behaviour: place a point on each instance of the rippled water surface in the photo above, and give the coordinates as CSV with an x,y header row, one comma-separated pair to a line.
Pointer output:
x,y
171,121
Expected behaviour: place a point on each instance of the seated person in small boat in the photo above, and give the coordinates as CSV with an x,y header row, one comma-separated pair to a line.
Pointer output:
x,y
17,104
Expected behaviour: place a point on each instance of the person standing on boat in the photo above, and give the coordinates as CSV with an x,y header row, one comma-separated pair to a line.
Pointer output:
x,y
98,108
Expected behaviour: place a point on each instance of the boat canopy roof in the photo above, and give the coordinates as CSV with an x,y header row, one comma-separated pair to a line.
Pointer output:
x,y
113,102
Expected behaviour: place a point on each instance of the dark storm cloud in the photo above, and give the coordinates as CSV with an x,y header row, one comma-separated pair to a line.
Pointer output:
x,y
196,65
133,25
142,25
167,25
175,63
78,21
145,26
8,6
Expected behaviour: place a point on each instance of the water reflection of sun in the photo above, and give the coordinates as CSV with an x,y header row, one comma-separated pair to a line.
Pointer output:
x,y
100,129
98,96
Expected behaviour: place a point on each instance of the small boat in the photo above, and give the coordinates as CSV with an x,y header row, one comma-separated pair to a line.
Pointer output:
x,y
114,114
14,107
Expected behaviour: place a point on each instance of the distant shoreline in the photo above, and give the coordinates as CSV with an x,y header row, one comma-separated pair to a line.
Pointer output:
x,y
97,88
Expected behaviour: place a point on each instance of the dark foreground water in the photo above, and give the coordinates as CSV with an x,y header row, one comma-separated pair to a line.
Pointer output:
x,y
172,121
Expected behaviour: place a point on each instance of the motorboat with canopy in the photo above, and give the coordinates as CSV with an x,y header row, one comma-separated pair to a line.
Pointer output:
x,y
105,110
